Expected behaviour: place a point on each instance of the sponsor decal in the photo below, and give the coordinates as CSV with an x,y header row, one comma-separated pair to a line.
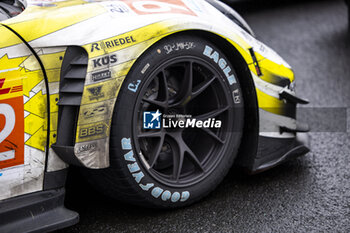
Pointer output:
x,y
236,96
215,56
104,61
134,85
4,91
96,93
143,7
116,7
95,46
120,41
152,120
93,112
92,131
11,132
91,147
135,171
102,75
113,43
11,123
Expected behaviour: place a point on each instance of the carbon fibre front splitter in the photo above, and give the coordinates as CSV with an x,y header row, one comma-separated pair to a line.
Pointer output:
x,y
274,151
37,212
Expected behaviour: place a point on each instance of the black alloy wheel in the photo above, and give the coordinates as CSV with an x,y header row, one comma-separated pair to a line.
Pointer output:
x,y
185,85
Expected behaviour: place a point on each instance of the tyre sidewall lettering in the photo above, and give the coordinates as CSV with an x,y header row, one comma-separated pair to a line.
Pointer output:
x,y
140,178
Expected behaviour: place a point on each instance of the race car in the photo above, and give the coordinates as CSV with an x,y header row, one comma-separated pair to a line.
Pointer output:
x,y
154,100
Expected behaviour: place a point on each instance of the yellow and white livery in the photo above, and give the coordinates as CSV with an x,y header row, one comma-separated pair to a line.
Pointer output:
x,y
155,98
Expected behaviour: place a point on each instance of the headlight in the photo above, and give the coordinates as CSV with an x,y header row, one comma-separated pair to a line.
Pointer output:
x,y
231,14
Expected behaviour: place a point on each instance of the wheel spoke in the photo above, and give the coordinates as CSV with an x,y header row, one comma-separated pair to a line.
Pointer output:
x,y
178,163
213,135
178,158
188,80
156,152
163,91
186,87
152,134
212,114
194,159
162,104
202,87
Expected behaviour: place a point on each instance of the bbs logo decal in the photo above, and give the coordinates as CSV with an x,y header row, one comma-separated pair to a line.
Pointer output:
x,y
138,175
92,131
96,93
104,61
101,75
215,56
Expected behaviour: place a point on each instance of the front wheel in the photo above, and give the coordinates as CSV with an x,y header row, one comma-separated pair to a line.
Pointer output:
x,y
176,127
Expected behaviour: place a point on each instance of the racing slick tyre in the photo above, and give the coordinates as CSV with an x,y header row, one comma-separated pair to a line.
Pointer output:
x,y
154,163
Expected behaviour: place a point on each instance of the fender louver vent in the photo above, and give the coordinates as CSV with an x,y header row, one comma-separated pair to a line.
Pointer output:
x,y
73,73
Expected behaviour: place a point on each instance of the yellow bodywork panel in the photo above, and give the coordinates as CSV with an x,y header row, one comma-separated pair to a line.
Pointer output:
x,y
270,69
46,20
269,103
23,103
23,75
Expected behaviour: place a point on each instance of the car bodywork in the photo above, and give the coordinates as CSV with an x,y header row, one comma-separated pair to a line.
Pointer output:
x,y
62,64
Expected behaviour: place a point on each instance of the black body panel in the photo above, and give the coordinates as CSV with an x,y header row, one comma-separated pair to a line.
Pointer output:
x,y
73,74
37,212
274,151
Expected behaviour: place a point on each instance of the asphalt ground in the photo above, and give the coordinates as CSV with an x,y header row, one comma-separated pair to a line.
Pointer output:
x,y
308,194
